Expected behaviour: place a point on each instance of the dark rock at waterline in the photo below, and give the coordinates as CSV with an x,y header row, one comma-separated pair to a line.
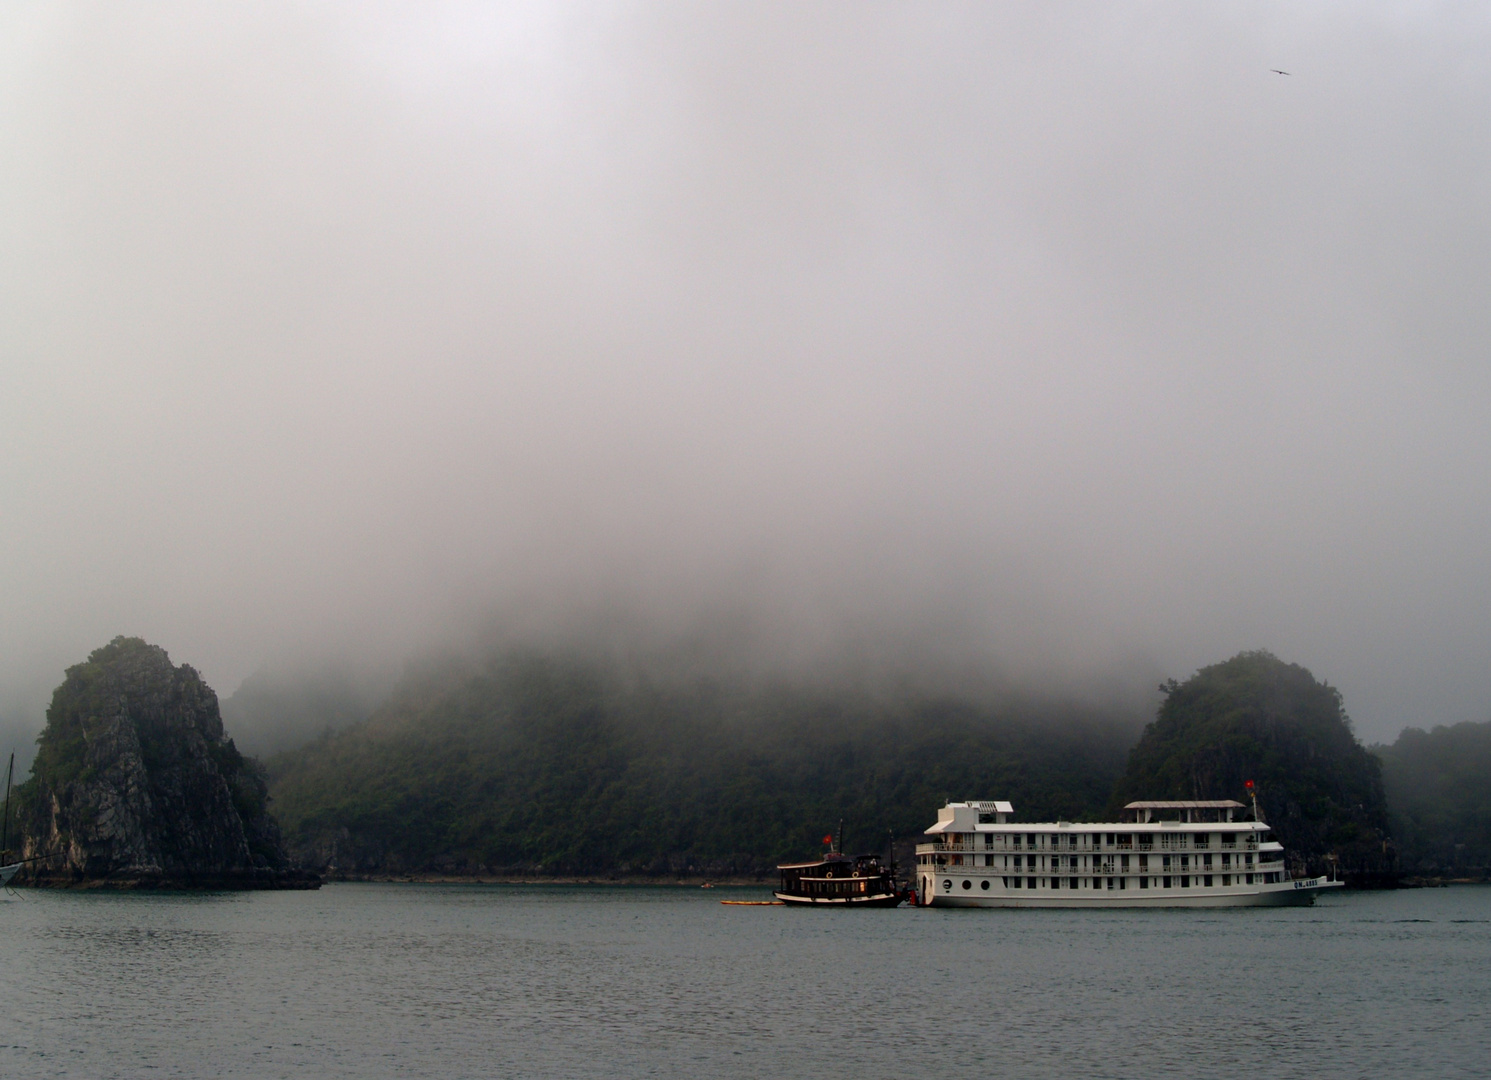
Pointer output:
x,y
135,785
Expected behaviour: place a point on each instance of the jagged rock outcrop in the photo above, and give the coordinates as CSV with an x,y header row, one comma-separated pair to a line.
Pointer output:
x,y
1255,717
136,785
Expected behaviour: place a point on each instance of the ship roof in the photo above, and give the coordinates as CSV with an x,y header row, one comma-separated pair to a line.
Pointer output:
x,y
1193,804
832,857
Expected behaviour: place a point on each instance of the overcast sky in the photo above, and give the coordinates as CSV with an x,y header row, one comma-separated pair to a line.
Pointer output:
x,y
1068,339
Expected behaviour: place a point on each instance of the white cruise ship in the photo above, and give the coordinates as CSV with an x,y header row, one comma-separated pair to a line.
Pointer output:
x,y
1163,854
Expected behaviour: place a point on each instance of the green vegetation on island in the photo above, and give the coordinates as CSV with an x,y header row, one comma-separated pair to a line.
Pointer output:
x,y
539,764
550,764
1255,717
1439,791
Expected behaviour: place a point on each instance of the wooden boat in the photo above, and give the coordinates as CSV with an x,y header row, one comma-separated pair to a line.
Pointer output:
x,y
839,880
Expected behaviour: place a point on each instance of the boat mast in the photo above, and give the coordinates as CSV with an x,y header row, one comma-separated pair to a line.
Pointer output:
x,y
5,830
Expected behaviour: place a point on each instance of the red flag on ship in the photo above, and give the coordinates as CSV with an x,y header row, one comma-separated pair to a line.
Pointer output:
x,y
828,839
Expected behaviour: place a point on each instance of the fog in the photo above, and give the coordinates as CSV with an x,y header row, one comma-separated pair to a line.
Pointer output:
x,y
1068,342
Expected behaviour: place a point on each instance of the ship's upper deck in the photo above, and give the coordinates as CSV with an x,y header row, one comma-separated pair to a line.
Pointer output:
x,y
1181,812
984,817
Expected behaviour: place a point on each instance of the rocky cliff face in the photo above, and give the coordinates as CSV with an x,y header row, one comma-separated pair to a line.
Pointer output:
x,y
135,784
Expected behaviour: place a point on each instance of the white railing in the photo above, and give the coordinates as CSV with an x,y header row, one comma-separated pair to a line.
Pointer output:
x,y
1167,842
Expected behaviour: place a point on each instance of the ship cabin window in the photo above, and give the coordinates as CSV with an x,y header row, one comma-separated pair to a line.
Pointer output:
x,y
1144,883
1206,859
1110,840
988,839
1167,883
1146,841
1185,881
1202,840
1015,838
1165,861
1125,840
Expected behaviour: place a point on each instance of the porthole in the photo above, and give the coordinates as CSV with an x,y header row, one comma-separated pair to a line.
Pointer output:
x,y
947,884
967,884
984,884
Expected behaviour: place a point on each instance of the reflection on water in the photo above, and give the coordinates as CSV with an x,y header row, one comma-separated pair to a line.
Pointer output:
x,y
471,981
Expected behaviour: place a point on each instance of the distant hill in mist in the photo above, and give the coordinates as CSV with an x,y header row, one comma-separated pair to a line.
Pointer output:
x,y
1439,790
539,763
1255,717
273,710
549,764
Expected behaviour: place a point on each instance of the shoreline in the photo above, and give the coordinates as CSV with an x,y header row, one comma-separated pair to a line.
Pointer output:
x,y
531,879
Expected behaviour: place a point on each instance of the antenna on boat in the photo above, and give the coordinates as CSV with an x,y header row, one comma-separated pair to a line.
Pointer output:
x,y
1253,794
841,836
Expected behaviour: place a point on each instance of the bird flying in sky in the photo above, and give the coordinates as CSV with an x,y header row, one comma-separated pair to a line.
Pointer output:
x,y
1276,71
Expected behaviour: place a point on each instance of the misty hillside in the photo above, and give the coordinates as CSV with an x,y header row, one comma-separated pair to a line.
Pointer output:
x,y
1439,790
1255,717
273,711
552,765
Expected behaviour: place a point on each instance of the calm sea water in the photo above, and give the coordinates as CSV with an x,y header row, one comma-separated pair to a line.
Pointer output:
x,y
375,981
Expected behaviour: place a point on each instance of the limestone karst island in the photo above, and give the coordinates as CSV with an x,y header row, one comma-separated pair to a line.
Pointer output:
x,y
135,785
536,767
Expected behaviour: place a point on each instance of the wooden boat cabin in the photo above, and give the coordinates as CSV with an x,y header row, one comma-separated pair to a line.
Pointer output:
x,y
851,880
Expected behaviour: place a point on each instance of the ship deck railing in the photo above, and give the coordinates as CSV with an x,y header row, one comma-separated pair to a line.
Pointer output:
x,y
1168,843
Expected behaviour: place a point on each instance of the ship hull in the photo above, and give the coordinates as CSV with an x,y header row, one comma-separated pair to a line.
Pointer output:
x,y
1282,894
875,900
